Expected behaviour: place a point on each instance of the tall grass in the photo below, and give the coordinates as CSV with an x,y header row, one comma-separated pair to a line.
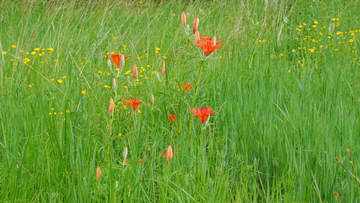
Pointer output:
x,y
287,98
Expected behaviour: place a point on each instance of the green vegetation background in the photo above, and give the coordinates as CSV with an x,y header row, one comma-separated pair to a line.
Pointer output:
x,y
284,84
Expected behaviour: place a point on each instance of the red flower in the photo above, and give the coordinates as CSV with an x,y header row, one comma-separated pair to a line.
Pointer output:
x,y
203,113
172,118
140,162
208,45
116,59
133,102
187,86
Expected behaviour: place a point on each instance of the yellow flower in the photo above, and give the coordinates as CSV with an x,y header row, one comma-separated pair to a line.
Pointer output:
x,y
13,46
56,60
125,87
351,40
54,113
164,57
26,60
64,77
293,50
52,79
40,54
61,113
120,134
50,49
3,53
316,22
155,52
81,63
37,49
83,92
52,109
67,111
314,26
139,111
114,37
50,113
148,66
29,85
333,19
33,53
158,49
289,71
60,81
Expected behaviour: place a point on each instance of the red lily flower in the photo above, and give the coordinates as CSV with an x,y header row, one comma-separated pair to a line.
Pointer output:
x,y
208,45
133,102
140,162
187,86
117,59
172,118
203,113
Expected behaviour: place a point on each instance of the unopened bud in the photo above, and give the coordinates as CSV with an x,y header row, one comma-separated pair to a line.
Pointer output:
x,y
125,152
152,99
114,83
122,60
183,19
195,25
111,106
214,40
109,63
197,37
98,173
135,72
163,69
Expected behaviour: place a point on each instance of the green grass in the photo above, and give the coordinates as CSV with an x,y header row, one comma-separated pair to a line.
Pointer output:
x,y
285,110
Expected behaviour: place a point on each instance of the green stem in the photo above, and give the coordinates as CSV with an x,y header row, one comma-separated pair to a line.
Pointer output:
x,y
195,95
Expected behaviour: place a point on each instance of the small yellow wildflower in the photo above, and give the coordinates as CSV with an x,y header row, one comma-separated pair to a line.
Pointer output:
x,y
114,37
4,52
52,109
60,81
50,49
67,111
26,60
351,40
64,77
37,49
13,46
125,87
52,79
50,113
29,85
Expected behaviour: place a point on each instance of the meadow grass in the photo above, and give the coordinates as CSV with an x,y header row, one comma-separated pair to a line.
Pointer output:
x,y
284,84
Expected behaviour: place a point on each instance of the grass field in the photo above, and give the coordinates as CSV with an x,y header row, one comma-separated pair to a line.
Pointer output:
x,y
284,85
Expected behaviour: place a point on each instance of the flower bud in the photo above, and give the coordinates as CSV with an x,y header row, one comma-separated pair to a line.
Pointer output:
x,y
109,63
214,40
197,37
135,72
125,152
114,83
98,172
195,25
163,69
169,154
183,19
111,106
122,60
152,99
